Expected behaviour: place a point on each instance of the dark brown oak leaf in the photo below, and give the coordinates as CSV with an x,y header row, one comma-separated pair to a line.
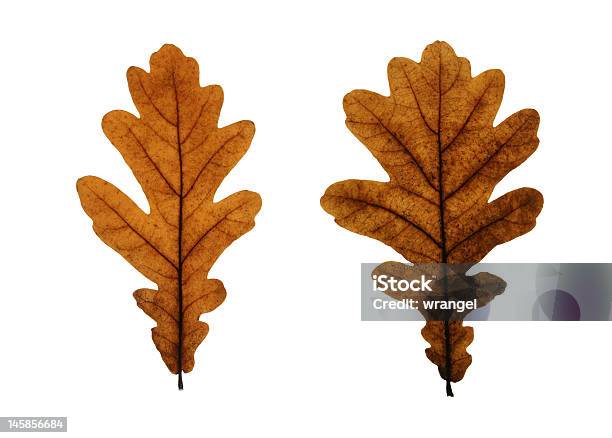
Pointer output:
x,y
179,156
434,136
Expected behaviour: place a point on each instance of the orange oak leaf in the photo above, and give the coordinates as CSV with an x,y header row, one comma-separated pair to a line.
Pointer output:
x,y
179,156
434,136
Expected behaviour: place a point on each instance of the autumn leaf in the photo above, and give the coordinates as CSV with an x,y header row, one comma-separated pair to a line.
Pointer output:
x,y
434,136
179,156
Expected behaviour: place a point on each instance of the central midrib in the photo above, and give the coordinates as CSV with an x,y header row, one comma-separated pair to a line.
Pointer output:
x,y
180,243
444,255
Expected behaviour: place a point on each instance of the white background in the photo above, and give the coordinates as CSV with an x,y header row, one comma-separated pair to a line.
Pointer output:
x,y
287,354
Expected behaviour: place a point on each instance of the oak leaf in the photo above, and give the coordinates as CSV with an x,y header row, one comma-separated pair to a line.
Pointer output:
x,y
434,136
179,156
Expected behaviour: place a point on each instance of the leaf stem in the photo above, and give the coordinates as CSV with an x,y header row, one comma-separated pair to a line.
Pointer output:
x,y
447,342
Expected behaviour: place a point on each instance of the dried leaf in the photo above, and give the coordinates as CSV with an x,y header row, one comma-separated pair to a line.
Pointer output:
x,y
435,138
180,157
460,337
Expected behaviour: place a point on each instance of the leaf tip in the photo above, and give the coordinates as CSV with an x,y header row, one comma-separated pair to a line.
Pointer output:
x,y
538,201
170,57
81,183
110,119
441,47
325,199
169,49
531,113
257,201
249,127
